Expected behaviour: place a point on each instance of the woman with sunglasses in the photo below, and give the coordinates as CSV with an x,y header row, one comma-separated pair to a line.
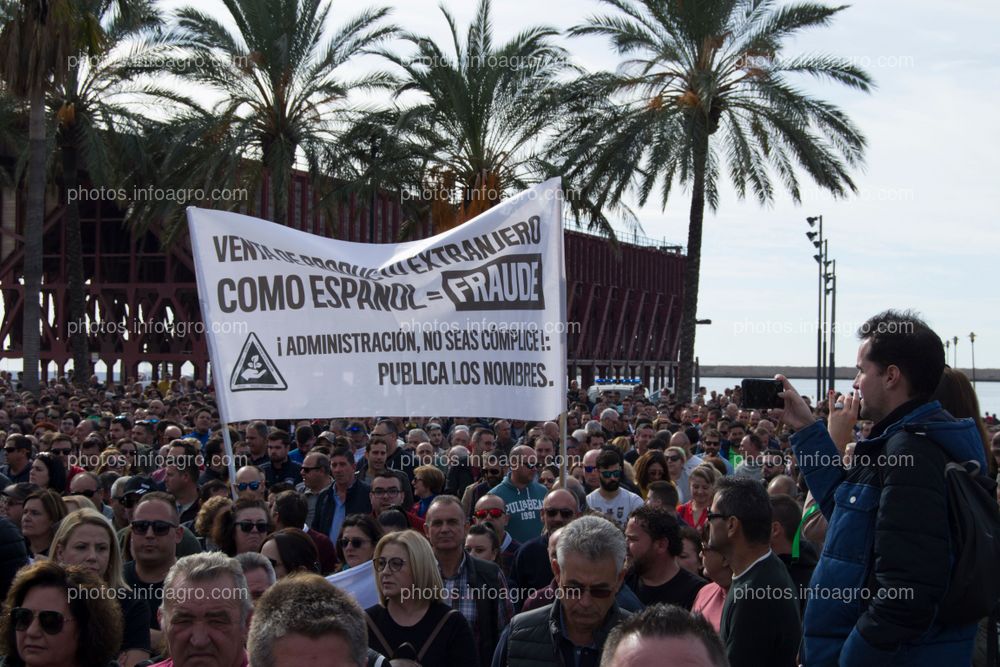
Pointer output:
x,y
242,527
43,510
358,536
59,616
650,467
48,472
548,476
676,457
411,620
290,550
86,539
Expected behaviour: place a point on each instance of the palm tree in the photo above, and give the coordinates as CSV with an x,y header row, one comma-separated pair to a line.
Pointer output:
x,y
36,41
482,116
282,103
705,86
91,114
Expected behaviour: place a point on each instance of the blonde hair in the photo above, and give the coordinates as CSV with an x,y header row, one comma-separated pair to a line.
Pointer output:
x,y
77,502
423,565
91,517
706,472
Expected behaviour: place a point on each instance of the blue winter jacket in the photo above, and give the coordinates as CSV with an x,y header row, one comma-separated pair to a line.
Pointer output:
x,y
886,561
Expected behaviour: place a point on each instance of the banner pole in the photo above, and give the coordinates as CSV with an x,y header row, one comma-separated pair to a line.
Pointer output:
x,y
562,450
230,459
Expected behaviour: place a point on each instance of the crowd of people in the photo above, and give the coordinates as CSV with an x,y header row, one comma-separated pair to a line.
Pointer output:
x,y
704,533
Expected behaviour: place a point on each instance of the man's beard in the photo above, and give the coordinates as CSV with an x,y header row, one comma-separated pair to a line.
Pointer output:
x,y
640,565
610,484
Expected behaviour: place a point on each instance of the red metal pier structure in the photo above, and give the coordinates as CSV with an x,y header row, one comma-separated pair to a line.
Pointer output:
x,y
623,305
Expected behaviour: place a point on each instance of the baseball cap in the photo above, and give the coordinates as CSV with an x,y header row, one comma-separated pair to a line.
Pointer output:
x,y
21,490
139,485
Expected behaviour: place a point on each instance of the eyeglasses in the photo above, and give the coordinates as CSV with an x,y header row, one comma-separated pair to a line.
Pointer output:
x,y
493,513
576,592
51,621
394,564
611,474
589,469
62,452
10,449
355,542
249,526
89,493
491,472
716,515
310,468
243,486
129,500
385,492
552,512
674,458
160,528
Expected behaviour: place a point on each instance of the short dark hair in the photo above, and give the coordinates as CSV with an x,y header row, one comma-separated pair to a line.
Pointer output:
x,y
903,339
664,491
660,525
786,511
343,452
291,509
609,457
747,500
666,620
304,434
280,435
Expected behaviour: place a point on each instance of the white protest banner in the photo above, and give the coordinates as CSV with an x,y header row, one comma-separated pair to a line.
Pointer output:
x,y
466,323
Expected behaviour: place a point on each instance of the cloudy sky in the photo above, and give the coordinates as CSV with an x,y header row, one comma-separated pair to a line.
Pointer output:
x,y
921,233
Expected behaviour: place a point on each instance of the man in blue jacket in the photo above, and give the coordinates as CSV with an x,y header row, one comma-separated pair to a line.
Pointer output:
x,y
886,562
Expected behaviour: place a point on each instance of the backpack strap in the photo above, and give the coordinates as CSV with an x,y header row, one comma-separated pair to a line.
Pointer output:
x,y
434,634
379,636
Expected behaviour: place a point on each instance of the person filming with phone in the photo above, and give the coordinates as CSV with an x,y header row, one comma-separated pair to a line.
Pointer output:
x,y
878,594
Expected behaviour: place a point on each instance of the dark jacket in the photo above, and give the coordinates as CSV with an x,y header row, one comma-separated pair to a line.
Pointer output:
x,y
290,472
486,577
801,570
891,502
357,501
760,619
534,639
13,554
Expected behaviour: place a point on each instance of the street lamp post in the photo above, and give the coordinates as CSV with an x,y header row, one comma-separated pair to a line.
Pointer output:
x,y
955,351
972,345
818,244
832,276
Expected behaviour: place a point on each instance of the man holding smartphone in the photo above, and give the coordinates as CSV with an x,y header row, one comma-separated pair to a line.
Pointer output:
x,y
875,594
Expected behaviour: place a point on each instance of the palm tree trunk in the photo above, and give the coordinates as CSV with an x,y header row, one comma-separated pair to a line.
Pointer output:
x,y
33,221
692,267
74,263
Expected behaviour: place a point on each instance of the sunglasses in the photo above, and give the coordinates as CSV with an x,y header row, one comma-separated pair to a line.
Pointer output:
x,y
674,458
88,493
493,513
552,512
711,516
385,492
611,474
243,486
589,469
51,621
576,592
62,452
310,468
249,526
129,500
393,564
355,542
160,528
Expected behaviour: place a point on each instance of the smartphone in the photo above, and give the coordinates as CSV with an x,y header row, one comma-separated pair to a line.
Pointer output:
x,y
761,394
